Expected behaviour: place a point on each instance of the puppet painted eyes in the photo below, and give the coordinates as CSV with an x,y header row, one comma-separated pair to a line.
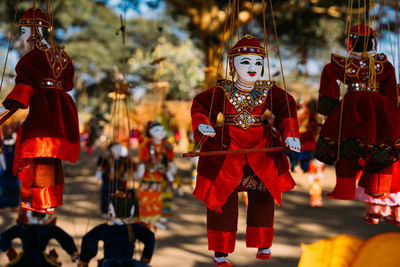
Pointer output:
x,y
248,67
25,34
158,132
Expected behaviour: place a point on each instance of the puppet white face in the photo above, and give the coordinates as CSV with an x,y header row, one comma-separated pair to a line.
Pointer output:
x,y
25,34
248,67
158,132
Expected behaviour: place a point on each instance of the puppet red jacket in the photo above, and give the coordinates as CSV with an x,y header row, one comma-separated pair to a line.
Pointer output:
x,y
51,129
243,128
370,127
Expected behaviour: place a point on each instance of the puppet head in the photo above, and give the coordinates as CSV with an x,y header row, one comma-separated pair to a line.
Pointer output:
x,y
123,205
246,58
32,23
156,130
32,217
361,38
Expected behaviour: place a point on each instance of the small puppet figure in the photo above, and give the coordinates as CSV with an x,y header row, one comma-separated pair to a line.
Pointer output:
x,y
364,123
156,166
265,176
35,231
50,133
382,208
315,177
119,238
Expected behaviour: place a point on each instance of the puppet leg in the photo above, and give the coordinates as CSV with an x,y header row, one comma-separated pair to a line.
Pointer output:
x,y
260,222
47,189
346,172
378,179
222,227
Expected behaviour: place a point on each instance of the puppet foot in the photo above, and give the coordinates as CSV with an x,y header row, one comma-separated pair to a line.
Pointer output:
x,y
345,189
222,262
372,219
27,206
263,254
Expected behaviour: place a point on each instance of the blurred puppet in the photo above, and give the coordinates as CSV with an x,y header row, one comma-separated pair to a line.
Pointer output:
x,y
364,123
50,133
265,176
119,238
156,167
308,128
35,231
9,183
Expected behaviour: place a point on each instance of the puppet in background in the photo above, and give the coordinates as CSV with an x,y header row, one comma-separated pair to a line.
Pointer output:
x,y
265,176
119,238
166,118
35,231
308,128
364,123
382,208
315,177
155,168
9,183
50,133
112,168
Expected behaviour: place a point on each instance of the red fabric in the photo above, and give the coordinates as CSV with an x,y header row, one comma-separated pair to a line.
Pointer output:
x,y
221,241
47,197
36,14
219,175
52,115
288,125
247,45
362,30
21,93
367,115
308,128
259,237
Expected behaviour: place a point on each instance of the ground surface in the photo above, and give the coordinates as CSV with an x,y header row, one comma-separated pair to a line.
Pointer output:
x,y
184,244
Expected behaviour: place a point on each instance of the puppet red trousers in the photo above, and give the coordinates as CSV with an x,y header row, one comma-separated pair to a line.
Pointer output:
x,y
50,133
370,127
219,176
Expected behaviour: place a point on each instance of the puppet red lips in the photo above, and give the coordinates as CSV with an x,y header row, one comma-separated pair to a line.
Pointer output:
x,y
252,74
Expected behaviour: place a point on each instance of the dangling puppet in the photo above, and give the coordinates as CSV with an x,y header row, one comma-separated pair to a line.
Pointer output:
x,y
364,123
50,132
156,166
264,176
119,238
35,231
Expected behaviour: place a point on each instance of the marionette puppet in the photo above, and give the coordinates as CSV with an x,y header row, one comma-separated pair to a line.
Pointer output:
x,y
35,231
265,176
364,123
50,133
156,166
377,209
119,238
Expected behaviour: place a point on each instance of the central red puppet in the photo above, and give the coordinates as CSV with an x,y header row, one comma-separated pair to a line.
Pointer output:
x,y
263,175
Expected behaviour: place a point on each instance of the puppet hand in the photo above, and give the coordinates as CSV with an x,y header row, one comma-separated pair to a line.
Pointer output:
x,y
172,168
293,143
206,130
3,162
170,177
140,171
75,257
98,174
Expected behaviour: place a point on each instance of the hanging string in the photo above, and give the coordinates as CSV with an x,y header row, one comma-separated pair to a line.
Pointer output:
x,y
9,44
238,19
280,60
391,49
228,9
342,88
265,38
396,5
251,17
